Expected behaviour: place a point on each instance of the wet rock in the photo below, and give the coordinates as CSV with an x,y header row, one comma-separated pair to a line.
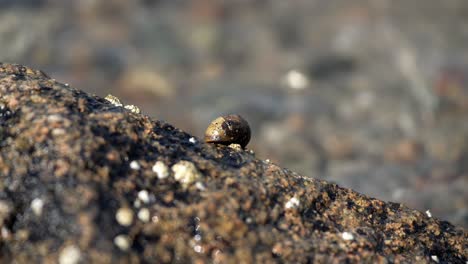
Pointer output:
x,y
247,211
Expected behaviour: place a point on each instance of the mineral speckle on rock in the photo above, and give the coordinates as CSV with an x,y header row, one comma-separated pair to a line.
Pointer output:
x,y
246,213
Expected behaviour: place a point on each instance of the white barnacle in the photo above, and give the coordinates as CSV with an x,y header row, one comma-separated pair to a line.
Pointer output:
x,y
133,108
116,101
161,169
185,172
113,100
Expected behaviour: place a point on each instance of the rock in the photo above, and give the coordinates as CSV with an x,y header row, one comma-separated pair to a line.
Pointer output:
x,y
247,211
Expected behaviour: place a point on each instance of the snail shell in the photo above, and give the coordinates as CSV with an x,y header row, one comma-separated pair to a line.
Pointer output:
x,y
228,129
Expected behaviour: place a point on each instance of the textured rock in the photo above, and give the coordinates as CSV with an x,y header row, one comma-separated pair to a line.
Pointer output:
x,y
78,155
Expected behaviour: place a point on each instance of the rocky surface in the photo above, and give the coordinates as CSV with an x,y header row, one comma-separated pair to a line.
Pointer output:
x,y
84,180
345,91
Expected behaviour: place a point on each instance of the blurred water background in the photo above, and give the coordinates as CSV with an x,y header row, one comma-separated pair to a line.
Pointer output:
x,y
372,95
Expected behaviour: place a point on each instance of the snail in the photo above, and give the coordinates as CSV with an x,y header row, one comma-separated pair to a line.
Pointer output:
x,y
228,129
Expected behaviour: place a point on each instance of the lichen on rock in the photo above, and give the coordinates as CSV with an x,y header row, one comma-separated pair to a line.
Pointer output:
x,y
249,211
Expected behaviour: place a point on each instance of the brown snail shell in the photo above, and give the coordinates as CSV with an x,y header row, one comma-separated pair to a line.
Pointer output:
x,y
228,129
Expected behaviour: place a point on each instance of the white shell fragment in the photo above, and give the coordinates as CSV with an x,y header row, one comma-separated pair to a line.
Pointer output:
x,y
70,255
347,236
124,216
161,169
192,140
292,203
185,172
